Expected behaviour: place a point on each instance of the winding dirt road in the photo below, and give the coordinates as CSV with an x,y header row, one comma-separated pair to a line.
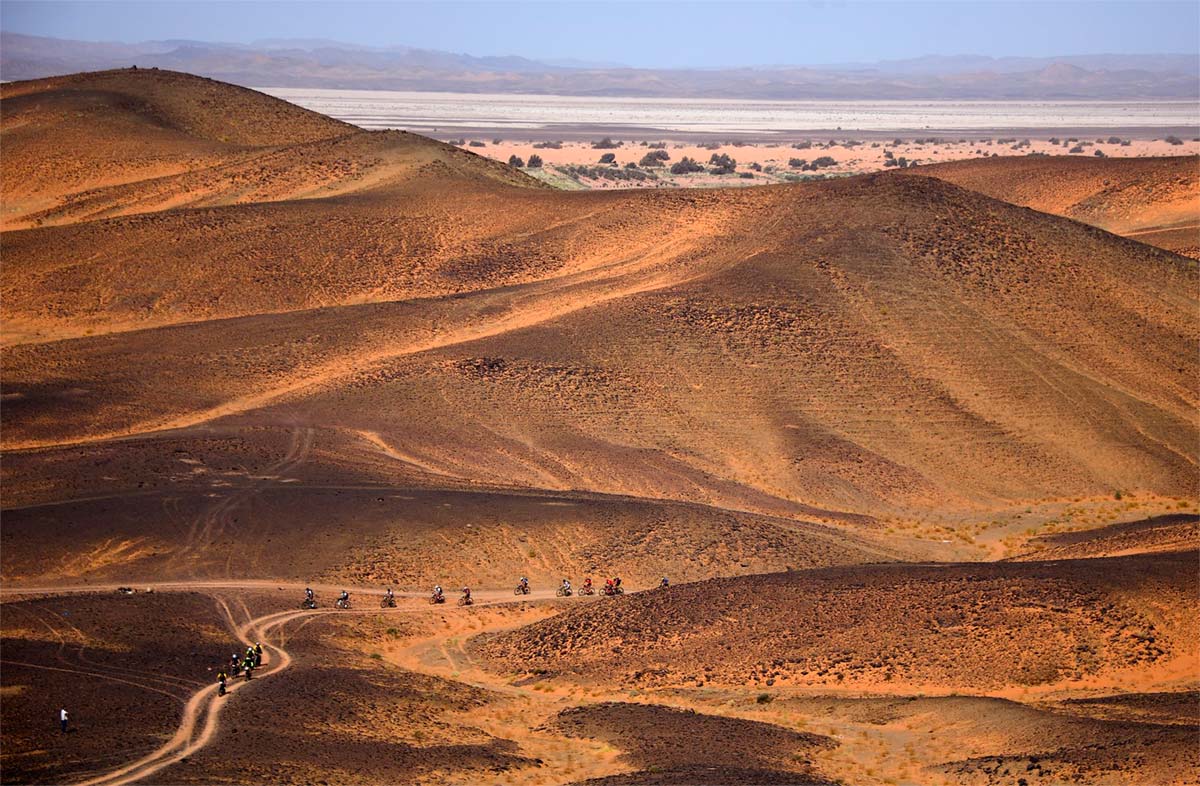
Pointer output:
x,y
201,714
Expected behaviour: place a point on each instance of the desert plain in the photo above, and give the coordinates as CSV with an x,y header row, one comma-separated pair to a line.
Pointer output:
x,y
915,446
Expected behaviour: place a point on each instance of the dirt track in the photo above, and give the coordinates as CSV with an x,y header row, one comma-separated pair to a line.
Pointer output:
x,y
383,361
200,719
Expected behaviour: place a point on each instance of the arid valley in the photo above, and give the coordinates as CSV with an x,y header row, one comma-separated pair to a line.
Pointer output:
x,y
898,467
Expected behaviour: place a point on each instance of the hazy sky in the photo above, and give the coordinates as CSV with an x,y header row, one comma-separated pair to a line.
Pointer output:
x,y
647,34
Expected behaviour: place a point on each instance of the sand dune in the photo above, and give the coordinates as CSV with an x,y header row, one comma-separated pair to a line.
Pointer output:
x,y
1155,200
914,628
254,348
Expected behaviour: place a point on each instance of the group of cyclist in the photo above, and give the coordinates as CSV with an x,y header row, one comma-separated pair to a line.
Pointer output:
x,y
252,659
611,587
240,664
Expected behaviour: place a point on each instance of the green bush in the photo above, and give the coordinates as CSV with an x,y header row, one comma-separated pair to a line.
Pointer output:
x,y
722,164
685,166
655,158
515,161
535,161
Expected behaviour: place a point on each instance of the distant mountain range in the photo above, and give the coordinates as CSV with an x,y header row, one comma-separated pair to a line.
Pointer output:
x,y
331,64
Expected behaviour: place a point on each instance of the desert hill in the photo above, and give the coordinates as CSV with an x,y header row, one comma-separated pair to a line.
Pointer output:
x,y
131,141
1162,533
241,362
660,743
1154,200
982,627
882,340
967,739
812,355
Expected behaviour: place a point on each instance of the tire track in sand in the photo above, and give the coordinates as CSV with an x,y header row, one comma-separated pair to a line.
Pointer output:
x,y
200,721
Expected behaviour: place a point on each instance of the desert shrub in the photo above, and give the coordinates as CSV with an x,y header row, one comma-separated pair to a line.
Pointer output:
x,y
1076,149
630,165
657,145
888,155
547,146
722,164
805,145
824,161
1099,154
654,158
897,142
1126,142
757,167
710,146
515,161
685,166
1053,140
605,173
1173,140
476,143
457,142
535,161
746,175
763,698
605,144
608,158
797,163
497,141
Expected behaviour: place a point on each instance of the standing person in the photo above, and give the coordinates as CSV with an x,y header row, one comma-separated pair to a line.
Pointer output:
x,y
62,718
221,682
257,654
